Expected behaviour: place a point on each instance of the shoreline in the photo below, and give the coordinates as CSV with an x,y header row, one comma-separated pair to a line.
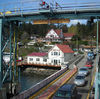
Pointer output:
x,y
39,71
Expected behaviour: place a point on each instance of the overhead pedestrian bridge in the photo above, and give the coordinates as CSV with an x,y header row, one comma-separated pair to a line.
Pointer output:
x,y
12,13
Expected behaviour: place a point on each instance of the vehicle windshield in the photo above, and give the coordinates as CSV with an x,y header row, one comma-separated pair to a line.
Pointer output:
x,y
63,93
83,69
79,77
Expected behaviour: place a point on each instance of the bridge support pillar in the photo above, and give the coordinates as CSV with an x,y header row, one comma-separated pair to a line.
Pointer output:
x,y
97,91
1,57
3,93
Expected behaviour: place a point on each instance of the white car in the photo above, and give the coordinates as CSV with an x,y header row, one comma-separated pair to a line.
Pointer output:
x,y
83,71
80,80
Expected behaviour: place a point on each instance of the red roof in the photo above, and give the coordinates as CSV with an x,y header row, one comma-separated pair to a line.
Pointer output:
x,y
65,48
58,31
68,34
37,54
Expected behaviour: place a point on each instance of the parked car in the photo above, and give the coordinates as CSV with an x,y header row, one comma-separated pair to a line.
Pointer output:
x,y
90,55
67,91
88,65
80,80
89,61
83,71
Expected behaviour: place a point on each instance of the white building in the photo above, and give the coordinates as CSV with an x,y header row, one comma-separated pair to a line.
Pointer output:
x,y
57,35
57,55
53,35
60,54
32,42
37,58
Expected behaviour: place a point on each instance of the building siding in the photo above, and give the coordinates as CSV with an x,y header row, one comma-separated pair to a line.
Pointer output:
x,y
53,56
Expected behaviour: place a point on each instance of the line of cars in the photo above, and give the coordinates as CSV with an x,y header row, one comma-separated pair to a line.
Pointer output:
x,y
80,78
69,91
84,71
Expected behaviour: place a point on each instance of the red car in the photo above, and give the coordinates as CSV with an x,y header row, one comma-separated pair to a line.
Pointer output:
x,y
88,64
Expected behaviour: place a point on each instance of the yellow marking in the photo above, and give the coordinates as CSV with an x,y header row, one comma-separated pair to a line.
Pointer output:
x,y
51,94
51,21
8,12
91,85
1,13
32,97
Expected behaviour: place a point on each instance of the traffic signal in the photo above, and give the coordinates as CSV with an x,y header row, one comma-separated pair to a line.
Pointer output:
x,y
43,3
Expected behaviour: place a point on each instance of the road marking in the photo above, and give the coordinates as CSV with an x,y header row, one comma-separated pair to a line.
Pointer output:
x,y
49,97
41,90
91,84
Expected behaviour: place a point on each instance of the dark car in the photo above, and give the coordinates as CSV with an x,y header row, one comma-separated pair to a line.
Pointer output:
x,y
67,91
89,62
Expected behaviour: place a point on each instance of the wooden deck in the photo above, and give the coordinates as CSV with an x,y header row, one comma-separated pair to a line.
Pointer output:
x,y
21,64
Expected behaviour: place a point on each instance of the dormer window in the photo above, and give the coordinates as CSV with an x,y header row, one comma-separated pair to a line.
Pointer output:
x,y
51,53
55,53
59,53
51,36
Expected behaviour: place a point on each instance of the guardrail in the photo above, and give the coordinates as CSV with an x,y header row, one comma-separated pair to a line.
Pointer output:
x,y
51,90
79,60
72,60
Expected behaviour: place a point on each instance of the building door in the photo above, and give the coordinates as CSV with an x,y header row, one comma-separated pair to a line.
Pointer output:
x,y
55,62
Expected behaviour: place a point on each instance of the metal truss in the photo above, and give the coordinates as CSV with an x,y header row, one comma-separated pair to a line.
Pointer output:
x,y
8,70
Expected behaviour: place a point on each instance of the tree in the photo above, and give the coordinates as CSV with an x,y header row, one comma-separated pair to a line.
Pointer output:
x,y
65,28
72,29
75,39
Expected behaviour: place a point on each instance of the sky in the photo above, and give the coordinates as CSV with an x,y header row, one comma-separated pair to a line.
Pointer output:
x,y
8,5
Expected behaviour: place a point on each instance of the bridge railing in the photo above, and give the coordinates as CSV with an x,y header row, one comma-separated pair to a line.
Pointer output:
x,y
28,6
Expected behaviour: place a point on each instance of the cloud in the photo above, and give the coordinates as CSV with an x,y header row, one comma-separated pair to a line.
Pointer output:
x,y
74,22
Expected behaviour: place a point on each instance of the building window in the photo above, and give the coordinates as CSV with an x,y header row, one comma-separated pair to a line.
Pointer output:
x,y
51,36
55,53
59,61
51,53
37,59
59,53
30,59
45,60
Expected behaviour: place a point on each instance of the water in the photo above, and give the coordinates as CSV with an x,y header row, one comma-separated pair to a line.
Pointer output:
x,y
29,79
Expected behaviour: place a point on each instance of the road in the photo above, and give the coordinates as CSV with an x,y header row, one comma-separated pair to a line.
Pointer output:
x,y
83,91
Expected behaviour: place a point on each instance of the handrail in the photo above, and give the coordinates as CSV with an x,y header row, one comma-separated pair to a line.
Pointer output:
x,y
27,6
